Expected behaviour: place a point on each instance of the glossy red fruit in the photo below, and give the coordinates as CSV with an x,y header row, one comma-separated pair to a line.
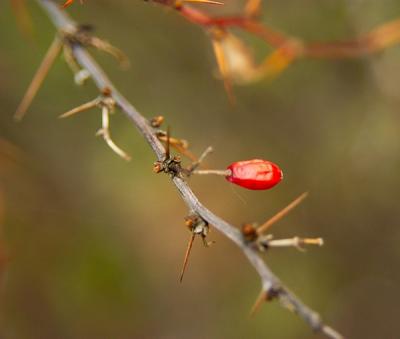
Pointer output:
x,y
255,174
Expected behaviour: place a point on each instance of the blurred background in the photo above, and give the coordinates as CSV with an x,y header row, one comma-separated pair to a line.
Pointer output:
x,y
91,246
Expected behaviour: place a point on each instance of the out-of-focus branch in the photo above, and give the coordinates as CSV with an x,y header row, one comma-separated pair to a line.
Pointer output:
x,y
381,37
271,285
234,57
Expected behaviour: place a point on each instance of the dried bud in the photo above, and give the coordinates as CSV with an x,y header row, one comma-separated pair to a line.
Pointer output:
x,y
106,91
157,121
157,167
249,232
190,221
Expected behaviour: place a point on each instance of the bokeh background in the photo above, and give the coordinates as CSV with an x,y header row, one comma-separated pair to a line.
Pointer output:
x,y
91,246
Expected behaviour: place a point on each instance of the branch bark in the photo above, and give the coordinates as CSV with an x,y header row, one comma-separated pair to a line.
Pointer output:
x,y
271,284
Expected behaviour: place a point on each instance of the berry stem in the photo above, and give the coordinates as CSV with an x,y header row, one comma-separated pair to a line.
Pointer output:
x,y
224,173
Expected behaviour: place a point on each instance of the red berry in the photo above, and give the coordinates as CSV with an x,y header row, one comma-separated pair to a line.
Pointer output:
x,y
255,174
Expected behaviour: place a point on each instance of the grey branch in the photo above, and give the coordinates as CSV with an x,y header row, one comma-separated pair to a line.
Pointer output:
x,y
270,283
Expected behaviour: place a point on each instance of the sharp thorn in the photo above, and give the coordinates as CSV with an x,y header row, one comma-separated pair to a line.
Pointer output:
x,y
260,299
186,258
167,145
79,109
281,213
37,81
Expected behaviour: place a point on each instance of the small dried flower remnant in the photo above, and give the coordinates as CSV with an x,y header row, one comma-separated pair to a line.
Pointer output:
x,y
255,174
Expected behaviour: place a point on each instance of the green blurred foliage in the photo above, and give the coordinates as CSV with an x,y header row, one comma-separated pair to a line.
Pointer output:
x,y
95,244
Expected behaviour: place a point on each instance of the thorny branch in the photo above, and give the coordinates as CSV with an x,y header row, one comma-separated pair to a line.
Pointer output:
x,y
271,285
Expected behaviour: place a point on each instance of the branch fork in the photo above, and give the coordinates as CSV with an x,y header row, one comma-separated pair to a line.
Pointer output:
x,y
82,35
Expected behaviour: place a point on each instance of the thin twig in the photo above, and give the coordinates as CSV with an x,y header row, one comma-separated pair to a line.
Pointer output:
x,y
268,279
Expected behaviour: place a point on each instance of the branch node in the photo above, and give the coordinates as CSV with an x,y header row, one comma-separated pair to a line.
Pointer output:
x,y
81,35
157,121
171,164
272,293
